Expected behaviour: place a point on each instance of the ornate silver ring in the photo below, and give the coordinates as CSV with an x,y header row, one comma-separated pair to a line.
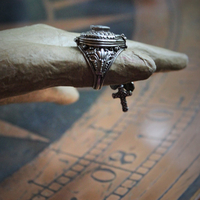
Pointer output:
x,y
100,48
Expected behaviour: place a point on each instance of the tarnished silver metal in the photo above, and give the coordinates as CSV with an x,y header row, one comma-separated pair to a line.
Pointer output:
x,y
100,48
124,90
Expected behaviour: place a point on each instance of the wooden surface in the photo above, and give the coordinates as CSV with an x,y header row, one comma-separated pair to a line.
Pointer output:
x,y
152,152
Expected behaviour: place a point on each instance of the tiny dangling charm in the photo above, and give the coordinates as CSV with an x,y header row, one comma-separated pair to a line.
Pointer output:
x,y
124,91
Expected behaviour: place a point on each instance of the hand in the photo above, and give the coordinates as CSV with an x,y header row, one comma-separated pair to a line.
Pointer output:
x,y
38,57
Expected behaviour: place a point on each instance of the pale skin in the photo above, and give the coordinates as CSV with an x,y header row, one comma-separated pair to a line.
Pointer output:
x,y
35,60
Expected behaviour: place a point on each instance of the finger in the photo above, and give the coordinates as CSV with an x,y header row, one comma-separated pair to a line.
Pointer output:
x,y
26,67
40,56
60,95
165,60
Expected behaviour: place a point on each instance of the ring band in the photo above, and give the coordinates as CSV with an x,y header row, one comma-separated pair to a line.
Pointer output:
x,y
100,48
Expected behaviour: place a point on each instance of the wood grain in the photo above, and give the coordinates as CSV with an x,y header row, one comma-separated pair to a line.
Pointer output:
x,y
150,153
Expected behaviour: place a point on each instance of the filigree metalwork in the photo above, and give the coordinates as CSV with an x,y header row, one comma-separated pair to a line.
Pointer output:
x,y
100,47
100,60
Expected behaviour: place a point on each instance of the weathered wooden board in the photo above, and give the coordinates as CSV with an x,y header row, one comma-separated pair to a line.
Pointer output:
x,y
151,152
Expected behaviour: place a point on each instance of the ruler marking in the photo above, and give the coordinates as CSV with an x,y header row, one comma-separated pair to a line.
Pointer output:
x,y
126,121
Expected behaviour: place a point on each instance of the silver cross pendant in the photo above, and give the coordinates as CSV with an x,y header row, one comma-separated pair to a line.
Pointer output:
x,y
124,91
